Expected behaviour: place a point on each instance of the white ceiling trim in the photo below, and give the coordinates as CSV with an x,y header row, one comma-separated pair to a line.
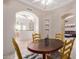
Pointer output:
x,y
40,8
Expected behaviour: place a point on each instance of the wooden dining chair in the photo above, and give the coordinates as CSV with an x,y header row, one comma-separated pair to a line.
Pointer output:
x,y
18,52
36,36
68,45
59,36
67,48
17,49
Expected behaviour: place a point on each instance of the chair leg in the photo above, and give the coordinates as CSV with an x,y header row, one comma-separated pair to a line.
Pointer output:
x,y
48,57
69,58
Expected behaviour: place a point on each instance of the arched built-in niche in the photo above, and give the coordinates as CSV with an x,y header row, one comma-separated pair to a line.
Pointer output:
x,y
28,19
68,24
26,23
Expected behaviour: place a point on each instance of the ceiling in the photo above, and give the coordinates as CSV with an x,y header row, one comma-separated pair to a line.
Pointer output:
x,y
46,4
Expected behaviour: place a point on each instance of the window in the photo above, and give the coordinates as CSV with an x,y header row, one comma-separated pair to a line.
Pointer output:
x,y
26,21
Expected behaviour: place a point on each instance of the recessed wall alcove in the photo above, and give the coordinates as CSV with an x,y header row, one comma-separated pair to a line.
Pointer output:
x,y
26,23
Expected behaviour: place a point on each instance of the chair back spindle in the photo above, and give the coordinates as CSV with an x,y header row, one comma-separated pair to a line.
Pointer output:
x,y
36,36
59,36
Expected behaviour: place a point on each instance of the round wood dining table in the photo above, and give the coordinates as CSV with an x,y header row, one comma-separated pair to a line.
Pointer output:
x,y
41,47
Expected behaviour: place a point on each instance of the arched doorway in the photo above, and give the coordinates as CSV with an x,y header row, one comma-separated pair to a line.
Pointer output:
x,y
26,23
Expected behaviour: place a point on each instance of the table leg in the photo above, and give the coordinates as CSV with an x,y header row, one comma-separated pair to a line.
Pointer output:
x,y
44,56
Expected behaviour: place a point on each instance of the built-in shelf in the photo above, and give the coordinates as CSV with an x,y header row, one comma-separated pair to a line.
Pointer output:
x,y
46,24
69,25
46,27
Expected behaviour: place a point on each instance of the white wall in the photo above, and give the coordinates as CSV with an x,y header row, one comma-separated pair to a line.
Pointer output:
x,y
8,28
73,53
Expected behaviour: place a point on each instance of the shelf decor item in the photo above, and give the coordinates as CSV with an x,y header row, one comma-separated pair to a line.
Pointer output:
x,y
47,32
46,41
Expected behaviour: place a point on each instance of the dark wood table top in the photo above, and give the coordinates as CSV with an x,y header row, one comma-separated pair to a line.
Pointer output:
x,y
40,47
